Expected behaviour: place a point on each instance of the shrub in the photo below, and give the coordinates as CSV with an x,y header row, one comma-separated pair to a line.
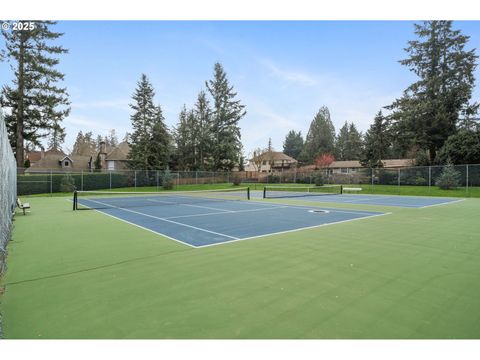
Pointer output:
x,y
273,179
167,180
318,179
421,181
449,178
237,180
67,184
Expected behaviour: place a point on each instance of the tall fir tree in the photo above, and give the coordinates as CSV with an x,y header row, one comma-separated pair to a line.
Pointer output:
x,y
203,128
183,144
293,144
37,104
341,144
431,107
56,137
377,142
150,142
320,138
227,112
354,144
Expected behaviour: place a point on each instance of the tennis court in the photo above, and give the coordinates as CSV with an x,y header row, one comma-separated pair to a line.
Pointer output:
x,y
205,218
331,194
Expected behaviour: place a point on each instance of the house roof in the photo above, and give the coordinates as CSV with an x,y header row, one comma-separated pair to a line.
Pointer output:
x,y
276,156
53,161
119,153
33,156
388,163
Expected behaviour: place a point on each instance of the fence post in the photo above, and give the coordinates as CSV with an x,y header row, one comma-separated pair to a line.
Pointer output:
x,y
467,180
295,175
51,183
398,175
110,179
81,181
372,177
135,181
429,178
196,177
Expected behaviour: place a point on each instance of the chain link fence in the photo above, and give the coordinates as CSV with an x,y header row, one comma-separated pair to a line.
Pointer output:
x,y
8,191
393,180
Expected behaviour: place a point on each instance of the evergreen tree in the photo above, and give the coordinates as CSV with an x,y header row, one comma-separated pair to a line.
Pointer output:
x,y
349,144
227,112
112,139
160,144
293,144
461,148
150,140
341,144
377,143
98,163
184,147
79,141
321,136
37,105
56,137
354,144
431,107
203,129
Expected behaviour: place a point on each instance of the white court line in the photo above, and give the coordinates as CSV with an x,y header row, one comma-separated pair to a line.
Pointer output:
x,y
315,207
229,212
197,206
163,219
293,230
444,203
234,239
139,226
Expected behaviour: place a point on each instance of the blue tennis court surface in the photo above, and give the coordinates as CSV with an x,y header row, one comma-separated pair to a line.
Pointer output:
x,y
206,222
365,199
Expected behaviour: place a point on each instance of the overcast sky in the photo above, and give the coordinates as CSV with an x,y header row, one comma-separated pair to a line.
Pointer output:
x,y
282,71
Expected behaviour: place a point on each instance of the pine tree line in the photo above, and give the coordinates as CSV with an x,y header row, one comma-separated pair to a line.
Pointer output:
x,y
206,137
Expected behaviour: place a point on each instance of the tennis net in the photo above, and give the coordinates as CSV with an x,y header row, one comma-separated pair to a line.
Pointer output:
x,y
270,192
84,200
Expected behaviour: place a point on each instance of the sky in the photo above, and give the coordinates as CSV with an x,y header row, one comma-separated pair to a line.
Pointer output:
x,y
283,71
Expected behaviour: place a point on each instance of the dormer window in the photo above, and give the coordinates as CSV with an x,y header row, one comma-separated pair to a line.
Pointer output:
x,y
66,163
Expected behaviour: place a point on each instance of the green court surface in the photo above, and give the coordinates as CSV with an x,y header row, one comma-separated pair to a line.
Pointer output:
x,y
412,274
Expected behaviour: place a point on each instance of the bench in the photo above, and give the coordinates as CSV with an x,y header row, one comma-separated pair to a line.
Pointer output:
x,y
352,189
23,206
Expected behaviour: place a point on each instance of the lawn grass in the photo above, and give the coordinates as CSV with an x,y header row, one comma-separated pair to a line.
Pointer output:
x,y
411,274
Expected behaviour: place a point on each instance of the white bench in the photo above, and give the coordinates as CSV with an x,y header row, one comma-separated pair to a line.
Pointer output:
x,y
23,206
352,189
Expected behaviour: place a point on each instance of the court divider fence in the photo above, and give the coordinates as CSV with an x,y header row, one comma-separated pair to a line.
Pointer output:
x,y
49,181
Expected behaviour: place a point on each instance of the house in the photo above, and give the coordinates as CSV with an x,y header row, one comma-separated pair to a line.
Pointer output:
x,y
353,166
114,159
270,162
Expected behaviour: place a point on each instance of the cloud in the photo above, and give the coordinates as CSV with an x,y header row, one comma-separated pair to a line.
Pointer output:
x,y
297,77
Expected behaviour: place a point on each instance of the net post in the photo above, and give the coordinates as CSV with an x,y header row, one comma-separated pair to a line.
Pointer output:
x,y
75,199
341,189
264,192
248,193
